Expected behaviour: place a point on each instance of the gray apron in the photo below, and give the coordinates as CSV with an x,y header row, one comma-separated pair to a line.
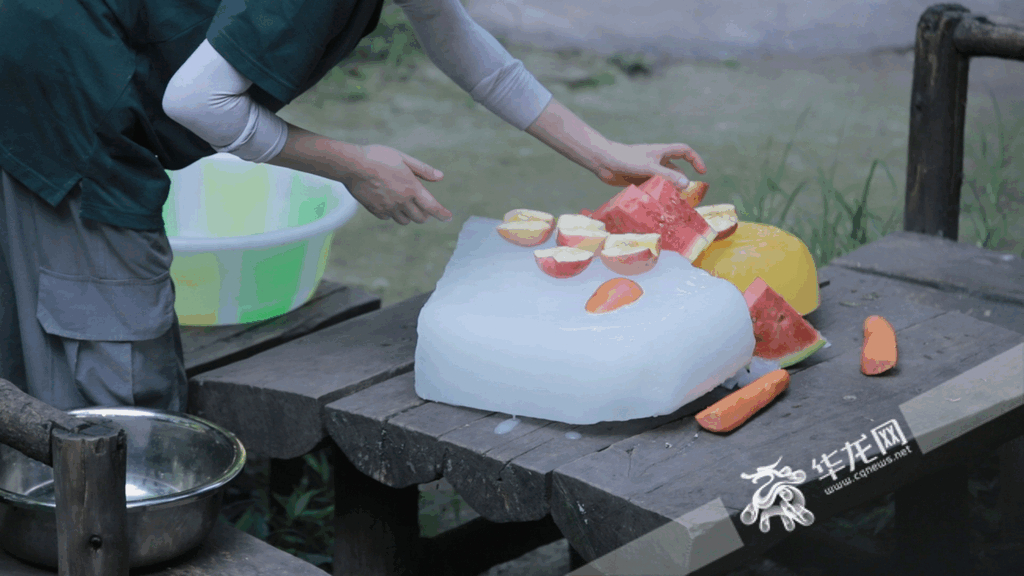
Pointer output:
x,y
86,309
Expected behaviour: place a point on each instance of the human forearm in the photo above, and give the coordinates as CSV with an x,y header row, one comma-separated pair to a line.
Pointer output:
x,y
570,136
309,152
612,162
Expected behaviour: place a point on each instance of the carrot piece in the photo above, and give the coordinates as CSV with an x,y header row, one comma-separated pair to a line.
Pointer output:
x,y
613,294
732,411
878,353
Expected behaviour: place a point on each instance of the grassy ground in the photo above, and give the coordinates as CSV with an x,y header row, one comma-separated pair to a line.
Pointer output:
x,y
801,144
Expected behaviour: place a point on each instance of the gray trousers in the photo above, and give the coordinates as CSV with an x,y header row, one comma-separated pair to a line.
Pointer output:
x,y
86,309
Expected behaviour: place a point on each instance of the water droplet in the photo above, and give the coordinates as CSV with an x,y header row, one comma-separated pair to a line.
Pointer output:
x,y
572,435
506,426
849,397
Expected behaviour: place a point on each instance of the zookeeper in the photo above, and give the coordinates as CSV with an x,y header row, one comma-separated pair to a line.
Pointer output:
x,y
99,97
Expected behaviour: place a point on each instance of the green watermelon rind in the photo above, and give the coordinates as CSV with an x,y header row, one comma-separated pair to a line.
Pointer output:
x,y
764,308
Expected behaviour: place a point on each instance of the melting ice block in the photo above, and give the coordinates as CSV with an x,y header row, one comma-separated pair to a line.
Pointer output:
x,y
498,334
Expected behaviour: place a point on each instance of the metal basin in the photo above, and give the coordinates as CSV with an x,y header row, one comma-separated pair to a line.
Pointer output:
x,y
177,468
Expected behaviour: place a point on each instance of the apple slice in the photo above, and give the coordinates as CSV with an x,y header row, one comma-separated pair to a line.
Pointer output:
x,y
694,192
526,233
525,214
563,261
526,228
721,217
631,254
580,232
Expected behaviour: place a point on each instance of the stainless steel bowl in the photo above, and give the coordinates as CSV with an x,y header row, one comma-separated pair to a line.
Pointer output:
x,y
177,468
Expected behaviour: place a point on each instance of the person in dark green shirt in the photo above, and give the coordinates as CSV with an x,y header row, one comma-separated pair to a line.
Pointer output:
x,y
102,96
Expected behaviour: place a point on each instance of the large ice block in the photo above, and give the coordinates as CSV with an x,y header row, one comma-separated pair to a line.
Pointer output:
x,y
498,334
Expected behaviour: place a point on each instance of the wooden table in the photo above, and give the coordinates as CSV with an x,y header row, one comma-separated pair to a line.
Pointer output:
x,y
661,485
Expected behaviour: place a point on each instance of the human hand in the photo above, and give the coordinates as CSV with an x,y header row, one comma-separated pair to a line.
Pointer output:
x,y
387,183
626,164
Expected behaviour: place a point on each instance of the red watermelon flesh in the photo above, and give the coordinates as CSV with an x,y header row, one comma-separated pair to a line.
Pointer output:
x,y
780,332
682,228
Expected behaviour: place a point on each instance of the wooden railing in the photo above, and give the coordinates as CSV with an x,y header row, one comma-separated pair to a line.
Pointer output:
x,y
948,35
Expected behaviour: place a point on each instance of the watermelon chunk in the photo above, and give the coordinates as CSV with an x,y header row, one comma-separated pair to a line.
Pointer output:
x,y
780,332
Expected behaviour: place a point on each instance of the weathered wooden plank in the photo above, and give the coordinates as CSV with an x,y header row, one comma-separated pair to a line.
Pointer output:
x,y
995,36
209,347
226,552
856,294
639,486
938,103
943,264
273,401
390,434
393,436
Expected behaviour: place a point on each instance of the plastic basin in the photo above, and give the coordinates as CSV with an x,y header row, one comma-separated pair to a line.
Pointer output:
x,y
250,241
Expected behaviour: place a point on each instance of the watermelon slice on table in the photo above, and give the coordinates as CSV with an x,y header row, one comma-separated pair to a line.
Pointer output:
x,y
780,332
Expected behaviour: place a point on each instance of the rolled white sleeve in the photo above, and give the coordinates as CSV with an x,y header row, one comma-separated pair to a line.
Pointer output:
x,y
476,61
210,97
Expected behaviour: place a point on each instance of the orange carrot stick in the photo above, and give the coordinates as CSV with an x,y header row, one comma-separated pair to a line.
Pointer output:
x,y
732,411
878,353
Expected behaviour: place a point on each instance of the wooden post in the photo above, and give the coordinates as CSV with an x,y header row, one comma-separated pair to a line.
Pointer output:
x,y
938,103
377,531
933,525
92,522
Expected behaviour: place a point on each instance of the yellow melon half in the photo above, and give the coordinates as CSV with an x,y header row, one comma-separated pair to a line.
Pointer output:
x,y
777,256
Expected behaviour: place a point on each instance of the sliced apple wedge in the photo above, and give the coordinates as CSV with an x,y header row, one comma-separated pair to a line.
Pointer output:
x,y
721,217
580,232
524,227
694,192
525,214
631,254
526,233
563,261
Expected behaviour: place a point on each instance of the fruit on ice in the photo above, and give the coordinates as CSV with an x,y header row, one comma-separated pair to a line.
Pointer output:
x,y
780,333
777,256
563,261
692,194
721,217
878,353
631,254
496,335
580,232
613,294
524,227
682,229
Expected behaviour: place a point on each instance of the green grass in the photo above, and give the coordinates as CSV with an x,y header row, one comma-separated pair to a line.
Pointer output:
x,y
841,222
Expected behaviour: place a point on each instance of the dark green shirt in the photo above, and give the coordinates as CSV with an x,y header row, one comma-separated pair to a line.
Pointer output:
x,y
81,85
